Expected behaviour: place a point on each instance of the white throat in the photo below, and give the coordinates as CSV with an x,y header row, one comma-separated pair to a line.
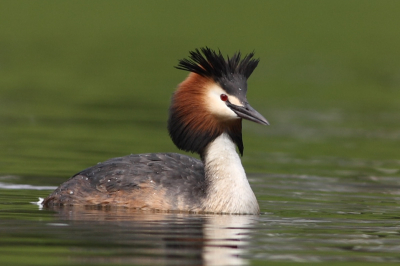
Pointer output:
x,y
229,190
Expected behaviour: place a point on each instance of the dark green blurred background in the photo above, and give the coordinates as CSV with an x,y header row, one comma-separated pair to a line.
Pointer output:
x,y
83,81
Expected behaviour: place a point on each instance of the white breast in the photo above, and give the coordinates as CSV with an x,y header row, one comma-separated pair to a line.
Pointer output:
x,y
229,190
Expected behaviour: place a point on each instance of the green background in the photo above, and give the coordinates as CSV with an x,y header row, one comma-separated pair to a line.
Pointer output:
x,y
83,81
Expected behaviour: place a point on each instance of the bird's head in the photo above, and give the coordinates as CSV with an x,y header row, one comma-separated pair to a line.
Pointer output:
x,y
211,100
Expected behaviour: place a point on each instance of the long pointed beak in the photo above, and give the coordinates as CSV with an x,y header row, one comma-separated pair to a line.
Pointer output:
x,y
248,112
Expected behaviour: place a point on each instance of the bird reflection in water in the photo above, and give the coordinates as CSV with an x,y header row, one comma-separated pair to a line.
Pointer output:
x,y
148,237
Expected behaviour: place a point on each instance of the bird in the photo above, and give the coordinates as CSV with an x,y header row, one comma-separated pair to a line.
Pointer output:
x,y
205,117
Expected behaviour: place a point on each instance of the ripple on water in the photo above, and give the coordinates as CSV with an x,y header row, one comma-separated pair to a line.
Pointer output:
x,y
304,219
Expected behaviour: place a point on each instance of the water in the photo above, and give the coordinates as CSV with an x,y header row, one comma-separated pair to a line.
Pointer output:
x,y
83,82
303,219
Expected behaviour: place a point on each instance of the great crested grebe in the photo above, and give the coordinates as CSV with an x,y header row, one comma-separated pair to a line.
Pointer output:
x,y
205,117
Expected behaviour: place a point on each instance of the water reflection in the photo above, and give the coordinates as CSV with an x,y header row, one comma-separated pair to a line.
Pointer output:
x,y
161,238
304,219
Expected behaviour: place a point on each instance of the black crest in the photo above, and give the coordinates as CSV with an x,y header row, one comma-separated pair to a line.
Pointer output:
x,y
231,73
208,63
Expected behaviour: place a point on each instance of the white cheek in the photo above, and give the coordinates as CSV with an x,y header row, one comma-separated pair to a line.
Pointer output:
x,y
218,107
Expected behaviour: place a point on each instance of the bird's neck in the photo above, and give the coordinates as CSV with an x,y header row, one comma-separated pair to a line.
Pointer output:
x,y
228,188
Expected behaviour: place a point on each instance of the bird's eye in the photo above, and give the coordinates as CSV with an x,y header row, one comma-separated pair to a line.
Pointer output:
x,y
224,97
